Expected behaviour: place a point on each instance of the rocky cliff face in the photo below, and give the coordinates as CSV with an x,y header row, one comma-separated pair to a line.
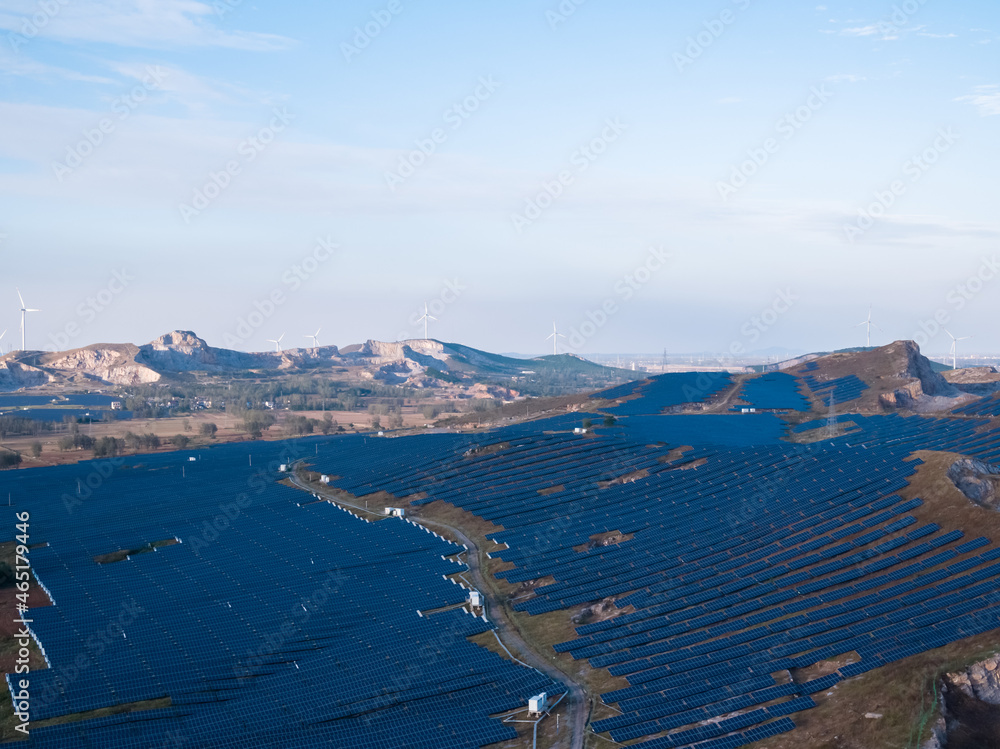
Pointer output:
x,y
14,375
114,364
970,713
922,388
978,481
975,380
980,681
381,352
183,351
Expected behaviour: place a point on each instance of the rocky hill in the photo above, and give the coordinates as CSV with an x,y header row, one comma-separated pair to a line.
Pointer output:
x,y
898,375
414,363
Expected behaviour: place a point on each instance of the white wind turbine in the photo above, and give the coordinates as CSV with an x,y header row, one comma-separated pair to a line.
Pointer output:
x,y
24,311
868,321
556,335
315,338
277,343
954,347
427,316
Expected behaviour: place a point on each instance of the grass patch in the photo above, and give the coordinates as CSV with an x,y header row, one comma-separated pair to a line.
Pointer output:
x,y
903,692
132,707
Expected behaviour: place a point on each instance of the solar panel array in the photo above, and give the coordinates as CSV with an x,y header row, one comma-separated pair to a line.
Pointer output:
x,y
619,391
277,621
774,391
738,562
972,437
839,390
667,391
985,407
740,557
706,429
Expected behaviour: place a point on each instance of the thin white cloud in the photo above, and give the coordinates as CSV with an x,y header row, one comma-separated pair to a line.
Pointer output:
x,y
884,31
937,36
986,99
729,100
188,89
21,65
845,78
869,30
132,23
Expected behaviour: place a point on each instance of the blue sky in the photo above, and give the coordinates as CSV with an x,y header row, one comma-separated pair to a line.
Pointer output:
x,y
724,173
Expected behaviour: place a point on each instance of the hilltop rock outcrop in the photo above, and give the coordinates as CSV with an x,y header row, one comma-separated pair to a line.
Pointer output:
x,y
970,712
978,481
922,388
113,363
383,352
183,351
14,375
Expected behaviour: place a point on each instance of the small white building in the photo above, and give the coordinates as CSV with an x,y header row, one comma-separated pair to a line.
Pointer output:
x,y
537,704
283,468
324,479
476,599
579,430
395,512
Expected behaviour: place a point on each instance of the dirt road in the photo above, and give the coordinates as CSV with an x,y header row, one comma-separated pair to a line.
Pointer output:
x,y
579,706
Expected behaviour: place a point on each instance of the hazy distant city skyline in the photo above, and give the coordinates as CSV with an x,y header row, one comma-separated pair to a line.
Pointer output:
x,y
725,178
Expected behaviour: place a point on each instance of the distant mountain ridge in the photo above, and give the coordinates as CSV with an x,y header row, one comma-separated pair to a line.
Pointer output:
x,y
417,362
